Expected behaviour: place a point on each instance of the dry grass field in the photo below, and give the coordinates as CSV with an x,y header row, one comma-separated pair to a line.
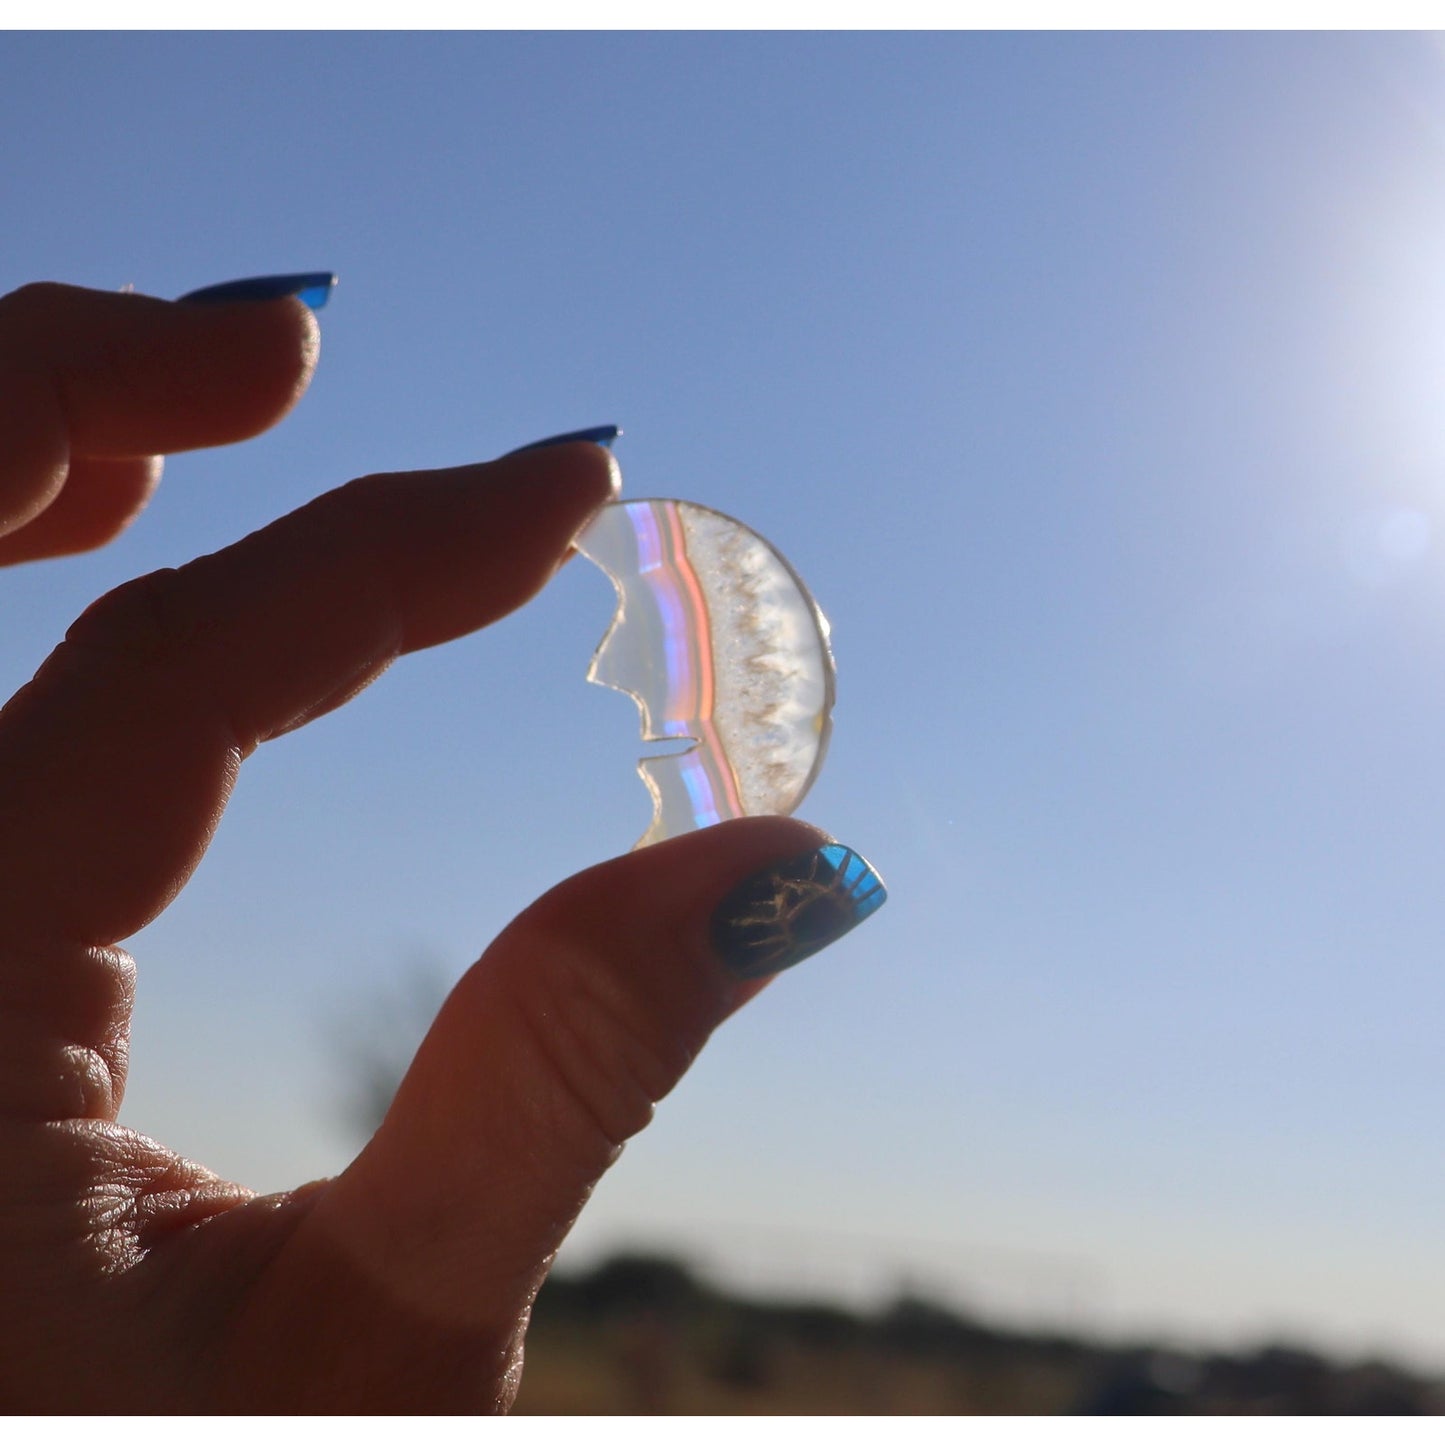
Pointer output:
x,y
643,1336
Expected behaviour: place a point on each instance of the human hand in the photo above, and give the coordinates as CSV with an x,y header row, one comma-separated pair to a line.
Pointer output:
x,y
133,1280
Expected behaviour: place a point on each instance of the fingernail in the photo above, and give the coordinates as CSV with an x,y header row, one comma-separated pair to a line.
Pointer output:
x,y
789,911
604,436
312,287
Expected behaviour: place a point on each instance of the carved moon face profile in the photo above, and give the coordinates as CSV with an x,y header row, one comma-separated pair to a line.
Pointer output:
x,y
720,643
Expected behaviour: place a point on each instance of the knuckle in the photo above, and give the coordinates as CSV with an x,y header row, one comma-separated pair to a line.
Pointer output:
x,y
67,1017
35,301
608,1058
137,621
75,1081
53,317
83,991
338,516
359,491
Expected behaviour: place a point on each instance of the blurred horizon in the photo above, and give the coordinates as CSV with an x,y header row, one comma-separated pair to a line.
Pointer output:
x,y
646,1334
1093,382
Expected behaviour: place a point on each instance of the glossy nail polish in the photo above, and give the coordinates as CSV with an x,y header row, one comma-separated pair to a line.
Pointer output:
x,y
312,287
788,911
603,436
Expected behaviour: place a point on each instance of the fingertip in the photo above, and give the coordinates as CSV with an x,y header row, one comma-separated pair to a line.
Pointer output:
x,y
791,908
133,375
260,360
581,461
517,515
745,899
657,905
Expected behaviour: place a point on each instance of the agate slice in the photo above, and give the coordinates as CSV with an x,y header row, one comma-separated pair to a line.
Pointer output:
x,y
720,643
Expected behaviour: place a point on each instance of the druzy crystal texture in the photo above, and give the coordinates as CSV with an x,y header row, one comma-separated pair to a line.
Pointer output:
x,y
720,643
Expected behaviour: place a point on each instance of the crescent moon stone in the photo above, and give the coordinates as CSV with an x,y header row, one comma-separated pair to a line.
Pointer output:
x,y
718,641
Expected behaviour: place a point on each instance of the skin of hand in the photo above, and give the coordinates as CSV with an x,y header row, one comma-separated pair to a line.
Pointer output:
x,y
133,1280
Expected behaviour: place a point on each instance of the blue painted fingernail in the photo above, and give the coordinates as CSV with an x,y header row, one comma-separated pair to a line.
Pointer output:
x,y
789,911
312,287
604,436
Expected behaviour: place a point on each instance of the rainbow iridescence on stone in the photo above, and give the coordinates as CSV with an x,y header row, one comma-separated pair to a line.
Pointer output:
x,y
717,640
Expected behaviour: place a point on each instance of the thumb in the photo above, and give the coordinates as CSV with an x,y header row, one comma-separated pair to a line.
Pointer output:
x,y
554,1049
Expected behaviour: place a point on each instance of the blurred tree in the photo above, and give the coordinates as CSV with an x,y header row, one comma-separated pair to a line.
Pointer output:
x,y
379,1036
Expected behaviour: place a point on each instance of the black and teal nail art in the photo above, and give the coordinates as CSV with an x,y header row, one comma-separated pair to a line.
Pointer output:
x,y
788,911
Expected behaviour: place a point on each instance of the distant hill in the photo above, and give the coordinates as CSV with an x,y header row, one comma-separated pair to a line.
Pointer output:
x,y
643,1334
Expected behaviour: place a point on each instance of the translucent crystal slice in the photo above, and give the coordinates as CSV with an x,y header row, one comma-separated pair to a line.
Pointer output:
x,y
718,641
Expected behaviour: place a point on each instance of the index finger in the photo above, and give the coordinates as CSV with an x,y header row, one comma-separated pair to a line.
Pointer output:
x,y
117,759
95,384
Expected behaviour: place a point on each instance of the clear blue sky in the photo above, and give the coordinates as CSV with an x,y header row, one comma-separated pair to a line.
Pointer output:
x,y
1094,383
